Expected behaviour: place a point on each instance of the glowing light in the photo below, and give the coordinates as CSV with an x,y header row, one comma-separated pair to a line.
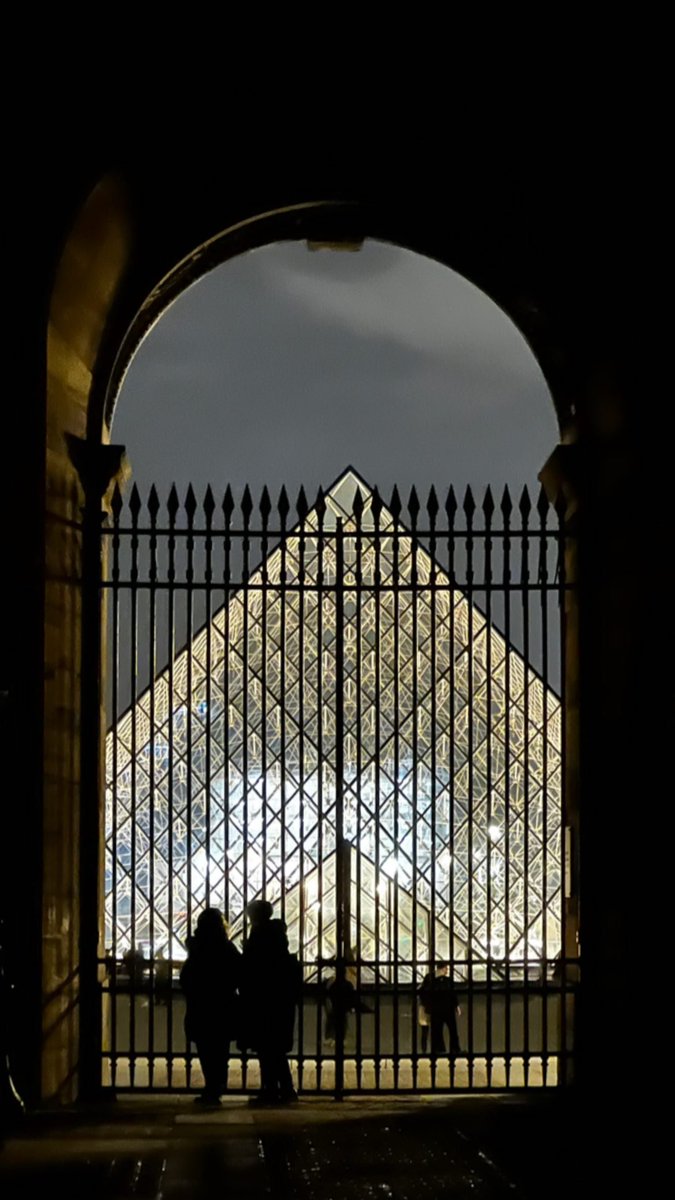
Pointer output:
x,y
391,867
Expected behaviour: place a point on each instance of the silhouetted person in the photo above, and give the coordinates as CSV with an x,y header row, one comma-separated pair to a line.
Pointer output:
x,y
209,978
437,996
163,979
135,964
342,999
270,990
423,1022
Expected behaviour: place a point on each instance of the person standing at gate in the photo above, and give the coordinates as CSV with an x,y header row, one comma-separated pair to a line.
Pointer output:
x,y
342,998
163,979
135,965
270,990
423,1022
439,1001
210,978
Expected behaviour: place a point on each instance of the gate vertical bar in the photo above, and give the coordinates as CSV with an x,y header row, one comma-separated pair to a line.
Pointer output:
x,y
506,508
228,509
450,510
525,507
567,604
376,506
283,507
209,507
301,508
432,510
321,512
341,883
246,510
116,508
263,596
190,508
134,507
469,508
357,795
172,509
153,506
563,548
413,509
394,939
488,509
542,583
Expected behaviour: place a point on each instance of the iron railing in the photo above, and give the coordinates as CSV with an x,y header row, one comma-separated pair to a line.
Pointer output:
x,y
355,712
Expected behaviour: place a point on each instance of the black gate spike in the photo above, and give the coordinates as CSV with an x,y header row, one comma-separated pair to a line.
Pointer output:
x,y
506,504
246,505
395,504
173,503
153,504
376,506
302,507
432,505
283,505
451,505
469,505
320,505
542,505
190,504
358,505
228,504
135,503
525,505
413,505
116,502
265,505
488,505
209,505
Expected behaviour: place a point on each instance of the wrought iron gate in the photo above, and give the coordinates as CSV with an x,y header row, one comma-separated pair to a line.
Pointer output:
x,y
354,712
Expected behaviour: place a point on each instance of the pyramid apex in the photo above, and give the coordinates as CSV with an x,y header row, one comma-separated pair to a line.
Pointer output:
x,y
344,489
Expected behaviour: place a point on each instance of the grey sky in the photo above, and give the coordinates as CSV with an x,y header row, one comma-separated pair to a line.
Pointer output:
x,y
285,365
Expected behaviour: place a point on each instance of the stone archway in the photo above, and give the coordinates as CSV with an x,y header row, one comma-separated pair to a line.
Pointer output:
x,y
124,260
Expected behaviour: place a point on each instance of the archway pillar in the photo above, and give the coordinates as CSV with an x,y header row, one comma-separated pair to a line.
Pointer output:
x,y
98,468
560,479
605,711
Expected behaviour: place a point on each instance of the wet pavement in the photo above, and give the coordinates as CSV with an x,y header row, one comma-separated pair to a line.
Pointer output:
x,y
317,1150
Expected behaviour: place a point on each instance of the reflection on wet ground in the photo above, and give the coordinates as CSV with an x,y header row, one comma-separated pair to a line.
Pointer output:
x,y
317,1150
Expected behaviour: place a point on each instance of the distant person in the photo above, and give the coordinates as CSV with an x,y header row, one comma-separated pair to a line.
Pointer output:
x,y
423,1022
135,965
163,979
270,990
438,999
209,978
342,998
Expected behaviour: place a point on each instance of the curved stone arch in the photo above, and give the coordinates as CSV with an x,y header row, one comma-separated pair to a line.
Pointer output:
x,y
330,223
123,260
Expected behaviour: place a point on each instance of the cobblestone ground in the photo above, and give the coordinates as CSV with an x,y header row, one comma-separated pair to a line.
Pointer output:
x,y
318,1150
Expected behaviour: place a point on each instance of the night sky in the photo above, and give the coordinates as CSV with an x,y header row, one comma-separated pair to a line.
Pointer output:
x,y
286,365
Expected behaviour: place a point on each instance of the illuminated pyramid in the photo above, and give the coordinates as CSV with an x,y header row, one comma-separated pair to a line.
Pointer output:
x,y
423,725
